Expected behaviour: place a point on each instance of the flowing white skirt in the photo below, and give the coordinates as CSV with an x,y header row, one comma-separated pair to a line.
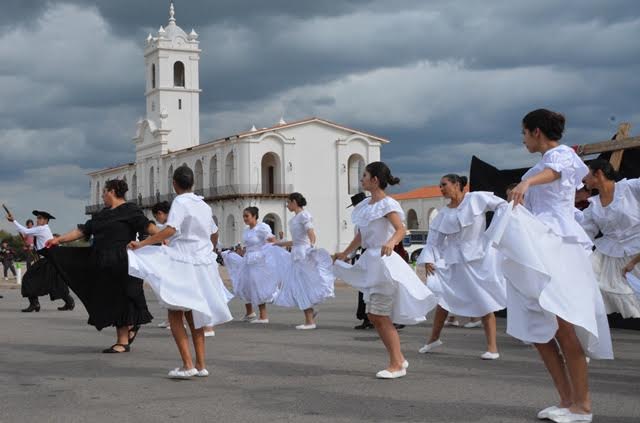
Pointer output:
x,y
255,277
471,289
389,275
548,277
307,279
616,292
183,286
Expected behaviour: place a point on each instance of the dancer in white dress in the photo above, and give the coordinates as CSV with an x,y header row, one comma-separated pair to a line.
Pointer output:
x,y
462,270
184,273
392,290
615,212
255,275
307,274
553,298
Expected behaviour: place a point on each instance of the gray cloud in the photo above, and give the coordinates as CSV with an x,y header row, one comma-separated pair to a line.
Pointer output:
x,y
443,80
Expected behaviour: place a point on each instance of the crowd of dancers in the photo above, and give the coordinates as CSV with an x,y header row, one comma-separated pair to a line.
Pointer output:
x,y
535,259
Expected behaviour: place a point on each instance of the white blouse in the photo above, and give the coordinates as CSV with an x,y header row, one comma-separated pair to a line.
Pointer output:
x,y
553,203
619,221
456,235
375,229
191,217
255,238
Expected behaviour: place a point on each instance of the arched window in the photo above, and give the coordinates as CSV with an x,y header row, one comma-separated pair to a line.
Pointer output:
x,y
178,74
230,231
170,180
153,75
98,193
213,172
356,167
412,219
229,165
198,174
270,173
152,182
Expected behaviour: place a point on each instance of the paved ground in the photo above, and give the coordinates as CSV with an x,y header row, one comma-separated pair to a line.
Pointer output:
x,y
51,370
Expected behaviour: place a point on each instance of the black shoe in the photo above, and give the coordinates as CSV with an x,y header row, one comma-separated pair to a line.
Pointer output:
x,y
398,327
32,307
66,307
365,325
112,349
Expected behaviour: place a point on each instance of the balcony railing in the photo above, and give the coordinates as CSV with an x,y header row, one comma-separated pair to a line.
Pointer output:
x,y
223,192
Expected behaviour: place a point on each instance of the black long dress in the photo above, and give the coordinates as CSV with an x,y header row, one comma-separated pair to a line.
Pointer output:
x,y
98,275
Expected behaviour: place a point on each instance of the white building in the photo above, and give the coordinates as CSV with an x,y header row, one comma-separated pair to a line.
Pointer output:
x,y
320,159
421,206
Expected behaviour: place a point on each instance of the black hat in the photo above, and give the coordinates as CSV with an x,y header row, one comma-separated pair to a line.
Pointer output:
x,y
356,199
44,214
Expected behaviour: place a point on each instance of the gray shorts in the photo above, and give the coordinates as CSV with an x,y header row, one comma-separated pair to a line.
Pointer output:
x,y
380,304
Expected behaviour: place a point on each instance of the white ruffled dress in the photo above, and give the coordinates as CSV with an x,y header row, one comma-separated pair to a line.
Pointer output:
x,y
468,278
255,276
619,223
547,264
184,275
307,272
388,275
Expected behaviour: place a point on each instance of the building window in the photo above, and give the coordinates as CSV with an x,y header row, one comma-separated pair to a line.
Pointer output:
x,y
178,74
356,166
179,104
153,106
153,75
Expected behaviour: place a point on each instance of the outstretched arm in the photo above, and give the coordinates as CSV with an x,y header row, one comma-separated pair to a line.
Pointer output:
x,y
546,176
70,236
157,238
353,245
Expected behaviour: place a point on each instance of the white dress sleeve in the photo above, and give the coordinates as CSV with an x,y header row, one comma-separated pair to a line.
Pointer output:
x,y
566,162
35,231
264,231
177,214
585,219
431,250
306,220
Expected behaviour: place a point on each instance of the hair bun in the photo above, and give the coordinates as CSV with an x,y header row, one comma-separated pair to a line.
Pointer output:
x,y
393,180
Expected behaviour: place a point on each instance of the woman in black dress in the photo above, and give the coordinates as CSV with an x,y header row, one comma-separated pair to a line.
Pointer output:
x,y
98,274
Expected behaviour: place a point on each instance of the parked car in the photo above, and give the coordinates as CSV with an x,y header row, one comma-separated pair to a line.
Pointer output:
x,y
413,242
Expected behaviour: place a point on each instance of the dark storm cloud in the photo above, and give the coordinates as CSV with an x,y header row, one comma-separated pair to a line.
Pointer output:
x,y
442,79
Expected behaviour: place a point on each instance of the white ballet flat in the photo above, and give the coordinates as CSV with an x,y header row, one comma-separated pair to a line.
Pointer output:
x,y
405,364
386,374
249,317
552,411
490,356
163,324
571,417
263,321
470,325
453,323
430,347
202,373
179,373
210,333
306,327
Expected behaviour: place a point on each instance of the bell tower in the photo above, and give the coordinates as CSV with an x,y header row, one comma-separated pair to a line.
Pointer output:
x,y
172,91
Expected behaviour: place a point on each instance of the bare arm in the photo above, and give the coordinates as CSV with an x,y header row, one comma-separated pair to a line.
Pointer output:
x,y
214,239
355,243
632,263
152,229
70,236
396,222
312,236
157,238
545,177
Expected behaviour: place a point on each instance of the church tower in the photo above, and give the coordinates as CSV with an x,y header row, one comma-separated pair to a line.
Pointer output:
x,y
172,92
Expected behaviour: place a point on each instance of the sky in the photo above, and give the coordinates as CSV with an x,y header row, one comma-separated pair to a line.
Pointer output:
x,y
443,80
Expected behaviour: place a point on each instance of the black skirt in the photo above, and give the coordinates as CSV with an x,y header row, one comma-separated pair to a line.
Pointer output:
x,y
101,281
42,278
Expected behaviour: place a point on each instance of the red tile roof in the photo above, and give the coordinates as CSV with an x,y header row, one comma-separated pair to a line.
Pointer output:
x,y
429,191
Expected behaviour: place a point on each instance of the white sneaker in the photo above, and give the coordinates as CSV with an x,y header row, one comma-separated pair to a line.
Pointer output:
x,y
405,364
163,324
306,327
570,417
210,333
552,411
264,321
490,356
472,324
249,317
202,373
386,374
452,323
430,347
179,373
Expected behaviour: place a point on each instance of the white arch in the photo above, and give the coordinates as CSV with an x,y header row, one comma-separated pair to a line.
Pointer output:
x,y
229,169
412,219
198,174
274,222
213,172
271,171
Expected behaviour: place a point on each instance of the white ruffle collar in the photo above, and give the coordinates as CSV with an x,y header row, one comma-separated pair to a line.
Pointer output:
x,y
365,212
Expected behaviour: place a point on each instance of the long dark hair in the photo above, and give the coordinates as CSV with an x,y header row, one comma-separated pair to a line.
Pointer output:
x,y
381,171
